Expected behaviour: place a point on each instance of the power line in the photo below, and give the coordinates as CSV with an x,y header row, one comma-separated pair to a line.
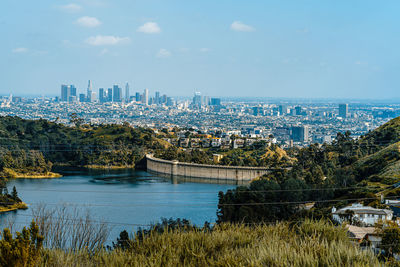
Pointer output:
x,y
201,192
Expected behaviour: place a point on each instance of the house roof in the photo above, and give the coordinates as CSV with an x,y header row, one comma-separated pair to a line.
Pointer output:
x,y
359,232
360,209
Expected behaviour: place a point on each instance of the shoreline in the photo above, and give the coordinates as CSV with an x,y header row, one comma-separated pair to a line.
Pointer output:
x,y
49,175
94,166
106,167
16,206
12,174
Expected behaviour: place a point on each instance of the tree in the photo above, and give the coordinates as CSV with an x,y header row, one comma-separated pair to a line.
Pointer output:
x,y
14,194
123,241
74,119
23,250
391,239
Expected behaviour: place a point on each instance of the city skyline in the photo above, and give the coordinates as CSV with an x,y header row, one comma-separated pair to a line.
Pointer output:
x,y
262,48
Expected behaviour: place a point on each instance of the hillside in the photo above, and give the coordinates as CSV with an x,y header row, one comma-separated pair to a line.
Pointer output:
x,y
382,166
386,134
33,146
337,174
260,154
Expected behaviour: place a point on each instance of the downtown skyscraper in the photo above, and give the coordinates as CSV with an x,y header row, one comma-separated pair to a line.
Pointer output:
x,y
127,94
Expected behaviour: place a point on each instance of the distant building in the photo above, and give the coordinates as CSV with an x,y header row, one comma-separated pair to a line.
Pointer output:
x,y
157,98
102,95
72,90
145,99
344,110
282,109
93,97
298,111
300,133
89,91
117,93
82,98
127,93
137,97
72,99
65,92
164,99
109,95
257,111
215,101
170,102
197,99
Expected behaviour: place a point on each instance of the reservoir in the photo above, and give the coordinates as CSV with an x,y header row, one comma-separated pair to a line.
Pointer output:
x,y
125,199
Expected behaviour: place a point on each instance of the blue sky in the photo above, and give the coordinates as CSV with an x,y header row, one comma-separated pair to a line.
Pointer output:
x,y
334,49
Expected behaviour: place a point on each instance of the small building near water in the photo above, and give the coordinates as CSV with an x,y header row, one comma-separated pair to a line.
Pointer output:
x,y
363,215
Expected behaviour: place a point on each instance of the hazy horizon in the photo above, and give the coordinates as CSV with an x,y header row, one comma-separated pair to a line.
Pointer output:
x,y
286,49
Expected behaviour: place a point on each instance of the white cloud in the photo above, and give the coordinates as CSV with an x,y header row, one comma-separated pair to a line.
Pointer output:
x,y
163,53
104,51
72,8
241,27
150,28
20,50
205,49
89,22
100,40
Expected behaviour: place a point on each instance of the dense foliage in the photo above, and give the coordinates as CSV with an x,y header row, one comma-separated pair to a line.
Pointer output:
x,y
345,169
23,250
259,154
33,145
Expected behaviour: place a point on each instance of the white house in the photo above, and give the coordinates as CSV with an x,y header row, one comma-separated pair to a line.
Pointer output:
x,y
359,213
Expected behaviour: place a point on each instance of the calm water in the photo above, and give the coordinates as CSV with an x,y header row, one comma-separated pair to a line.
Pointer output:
x,y
122,198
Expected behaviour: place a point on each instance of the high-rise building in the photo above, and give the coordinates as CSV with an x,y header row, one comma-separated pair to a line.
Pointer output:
x,y
343,110
117,93
109,95
300,133
93,97
89,91
164,99
157,99
72,90
137,97
102,95
146,97
298,111
197,99
205,101
82,98
65,92
282,109
215,101
257,111
127,94
170,102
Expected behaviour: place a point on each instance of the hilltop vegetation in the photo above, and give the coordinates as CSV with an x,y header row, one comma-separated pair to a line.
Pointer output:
x,y
33,146
259,154
345,169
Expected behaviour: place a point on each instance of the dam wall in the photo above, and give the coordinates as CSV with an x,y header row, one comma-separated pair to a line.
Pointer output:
x,y
193,170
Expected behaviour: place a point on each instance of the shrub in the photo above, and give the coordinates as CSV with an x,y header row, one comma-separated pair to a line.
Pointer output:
x,y
23,250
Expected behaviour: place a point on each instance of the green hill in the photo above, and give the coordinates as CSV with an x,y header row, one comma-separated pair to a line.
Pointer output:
x,y
384,135
382,166
32,146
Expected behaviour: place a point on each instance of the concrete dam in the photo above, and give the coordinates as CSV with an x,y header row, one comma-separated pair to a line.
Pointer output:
x,y
193,170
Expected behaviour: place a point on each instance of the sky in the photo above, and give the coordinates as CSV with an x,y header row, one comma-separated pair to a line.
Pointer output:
x,y
257,48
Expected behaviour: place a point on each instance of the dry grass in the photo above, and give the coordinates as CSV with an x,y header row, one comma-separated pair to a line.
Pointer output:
x,y
306,244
